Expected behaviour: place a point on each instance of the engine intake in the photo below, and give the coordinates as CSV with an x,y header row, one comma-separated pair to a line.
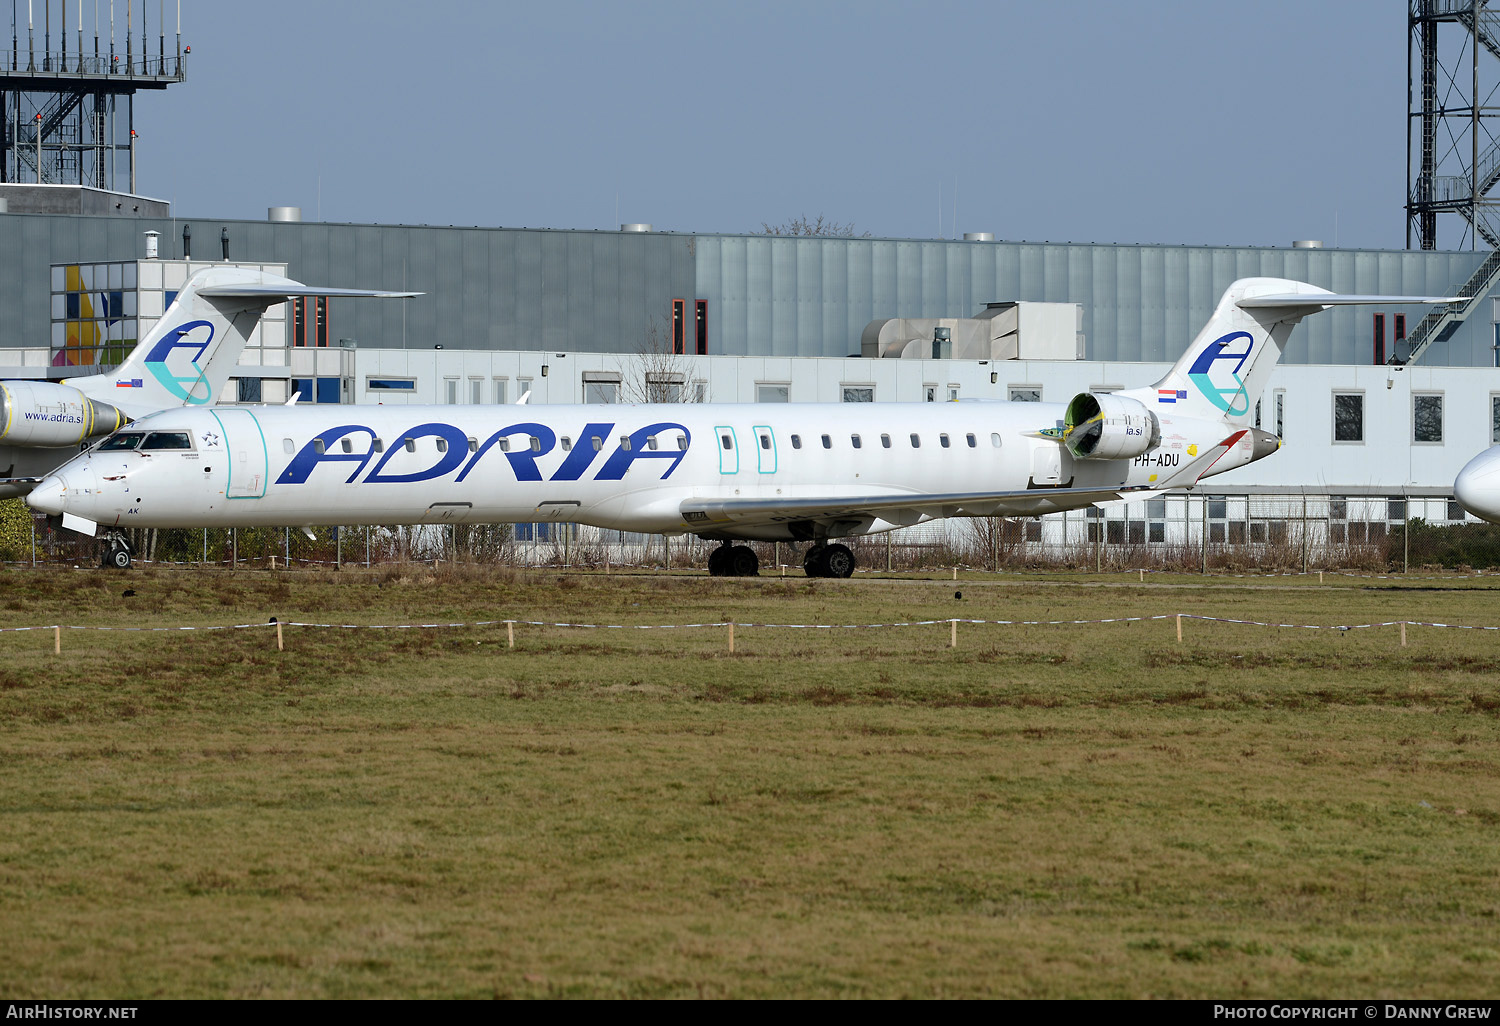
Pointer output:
x,y
46,413
1108,427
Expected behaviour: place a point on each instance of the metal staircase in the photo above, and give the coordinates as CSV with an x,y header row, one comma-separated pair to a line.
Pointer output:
x,y
1440,324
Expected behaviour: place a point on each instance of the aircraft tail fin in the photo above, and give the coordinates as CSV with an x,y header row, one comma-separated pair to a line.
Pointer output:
x,y
187,357
1226,369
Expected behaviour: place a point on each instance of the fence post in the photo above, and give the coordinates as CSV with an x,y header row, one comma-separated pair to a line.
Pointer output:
x,y
731,637
1403,633
279,646
1179,628
510,634
952,633
57,640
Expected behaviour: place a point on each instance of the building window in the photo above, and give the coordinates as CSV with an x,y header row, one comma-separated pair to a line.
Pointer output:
x,y
601,392
1427,419
1379,346
1348,417
391,384
1280,397
1025,393
1495,420
1395,509
702,320
929,393
476,390
679,314
953,393
451,386
663,388
249,390
859,393
499,391
772,393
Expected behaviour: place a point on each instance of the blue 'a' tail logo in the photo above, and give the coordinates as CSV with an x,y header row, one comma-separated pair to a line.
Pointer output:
x,y
184,386
1222,385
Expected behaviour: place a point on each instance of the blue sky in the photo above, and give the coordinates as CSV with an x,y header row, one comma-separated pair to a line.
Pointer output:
x,y
1167,122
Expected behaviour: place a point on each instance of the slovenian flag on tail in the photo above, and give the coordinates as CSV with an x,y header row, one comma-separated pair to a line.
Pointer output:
x,y
128,383
1170,395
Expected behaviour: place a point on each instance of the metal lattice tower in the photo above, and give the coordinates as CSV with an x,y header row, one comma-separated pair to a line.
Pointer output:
x,y
60,105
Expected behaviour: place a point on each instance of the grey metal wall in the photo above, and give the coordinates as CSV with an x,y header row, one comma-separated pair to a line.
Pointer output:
x,y
516,288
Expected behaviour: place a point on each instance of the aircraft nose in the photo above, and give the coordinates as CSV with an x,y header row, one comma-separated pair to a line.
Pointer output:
x,y
1477,486
49,495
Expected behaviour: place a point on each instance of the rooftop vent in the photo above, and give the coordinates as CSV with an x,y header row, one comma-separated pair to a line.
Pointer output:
x,y
283,213
635,227
1308,244
979,236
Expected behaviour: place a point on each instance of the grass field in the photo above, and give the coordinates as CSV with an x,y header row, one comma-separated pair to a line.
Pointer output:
x,y
1044,811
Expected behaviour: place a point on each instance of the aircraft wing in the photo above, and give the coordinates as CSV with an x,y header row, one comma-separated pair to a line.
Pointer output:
x,y
910,508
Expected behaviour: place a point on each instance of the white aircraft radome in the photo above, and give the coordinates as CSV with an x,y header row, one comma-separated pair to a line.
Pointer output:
x,y
1477,487
794,472
183,361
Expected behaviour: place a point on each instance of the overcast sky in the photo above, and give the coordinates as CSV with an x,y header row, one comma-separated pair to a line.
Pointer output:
x,y
1176,121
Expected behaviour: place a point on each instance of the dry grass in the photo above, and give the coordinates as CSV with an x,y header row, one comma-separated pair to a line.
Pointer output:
x,y
1046,811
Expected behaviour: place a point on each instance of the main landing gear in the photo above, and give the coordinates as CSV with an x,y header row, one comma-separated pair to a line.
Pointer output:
x,y
733,561
115,552
828,561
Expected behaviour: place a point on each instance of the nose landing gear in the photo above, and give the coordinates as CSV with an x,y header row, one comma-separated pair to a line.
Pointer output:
x,y
116,551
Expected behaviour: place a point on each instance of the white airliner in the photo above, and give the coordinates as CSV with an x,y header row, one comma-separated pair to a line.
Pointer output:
x,y
1477,487
183,361
794,472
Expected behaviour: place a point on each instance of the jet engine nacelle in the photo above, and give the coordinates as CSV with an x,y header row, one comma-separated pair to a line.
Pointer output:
x,y
1109,427
48,413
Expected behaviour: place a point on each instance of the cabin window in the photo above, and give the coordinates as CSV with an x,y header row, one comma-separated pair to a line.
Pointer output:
x,y
411,444
473,445
995,439
971,440
347,445
827,442
854,441
505,445
651,442
442,445
943,440
765,442
625,443
132,439
167,440
682,442
916,441
379,445
885,441
727,441
536,444
796,441
318,446
286,445
567,444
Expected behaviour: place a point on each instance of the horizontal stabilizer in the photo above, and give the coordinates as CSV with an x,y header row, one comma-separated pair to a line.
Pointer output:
x,y
1191,472
1322,299
290,288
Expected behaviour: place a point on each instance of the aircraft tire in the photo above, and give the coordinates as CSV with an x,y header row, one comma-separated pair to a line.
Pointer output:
x,y
838,561
119,558
814,564
718,562
744,562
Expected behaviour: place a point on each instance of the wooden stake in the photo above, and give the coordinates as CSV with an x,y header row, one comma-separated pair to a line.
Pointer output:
x,y
1143,577
279,646
510,634
1403,633
1179,628
731,637
952,633
57,640
955,573
273,561
1320,577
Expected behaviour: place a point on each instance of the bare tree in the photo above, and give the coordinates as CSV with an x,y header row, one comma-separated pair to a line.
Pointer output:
x,y
800,225
656,374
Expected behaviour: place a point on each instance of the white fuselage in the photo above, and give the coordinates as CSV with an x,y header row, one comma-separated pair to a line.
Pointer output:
x,y
621,467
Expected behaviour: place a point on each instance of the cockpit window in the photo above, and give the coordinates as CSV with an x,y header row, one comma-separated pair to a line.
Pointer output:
x,y
167,440
123,440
